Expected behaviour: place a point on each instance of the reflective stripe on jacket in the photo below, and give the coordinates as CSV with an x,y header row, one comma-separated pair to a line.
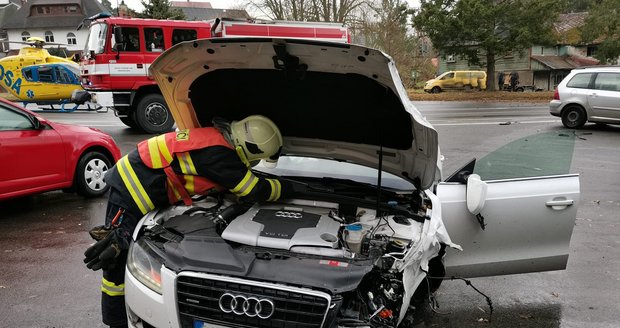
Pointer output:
x,y
159,152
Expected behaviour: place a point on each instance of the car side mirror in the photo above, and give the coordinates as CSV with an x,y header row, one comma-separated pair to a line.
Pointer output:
x,y
476,196
38,123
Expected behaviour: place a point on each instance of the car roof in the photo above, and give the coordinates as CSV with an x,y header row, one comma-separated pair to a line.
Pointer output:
x,y
598,69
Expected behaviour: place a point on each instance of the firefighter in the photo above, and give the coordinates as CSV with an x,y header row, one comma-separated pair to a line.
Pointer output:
x,y
168,169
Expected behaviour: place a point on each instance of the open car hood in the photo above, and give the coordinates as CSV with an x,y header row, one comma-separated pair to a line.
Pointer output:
x,y
330,100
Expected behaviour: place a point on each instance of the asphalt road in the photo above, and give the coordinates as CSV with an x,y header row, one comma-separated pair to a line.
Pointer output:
x,y
43,282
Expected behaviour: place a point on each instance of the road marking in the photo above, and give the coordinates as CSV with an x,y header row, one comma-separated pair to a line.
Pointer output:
x,y
495,123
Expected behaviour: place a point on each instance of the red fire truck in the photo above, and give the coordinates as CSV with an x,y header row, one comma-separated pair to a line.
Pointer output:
x,y
119,51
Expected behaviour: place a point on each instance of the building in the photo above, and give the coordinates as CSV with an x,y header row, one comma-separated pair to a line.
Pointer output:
x,y
540,66
7,9
52,20
204,11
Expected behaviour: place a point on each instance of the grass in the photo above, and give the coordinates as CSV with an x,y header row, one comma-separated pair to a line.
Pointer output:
x,y
482,96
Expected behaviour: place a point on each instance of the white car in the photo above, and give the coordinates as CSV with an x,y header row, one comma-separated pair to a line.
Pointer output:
x,y
588,95
346,251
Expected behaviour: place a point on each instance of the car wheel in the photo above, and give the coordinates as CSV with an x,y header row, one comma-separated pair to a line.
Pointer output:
x,y
436,90
573,117
89,173
129,120
153,116
520,89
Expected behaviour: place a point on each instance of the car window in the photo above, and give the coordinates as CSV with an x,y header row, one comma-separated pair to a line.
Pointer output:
x,y
581,80
180,35
297,166
131,38
154,39
607,81
11,120
448,76
536,155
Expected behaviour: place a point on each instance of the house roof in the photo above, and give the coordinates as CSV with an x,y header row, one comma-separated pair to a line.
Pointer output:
x,y
567,22
567,26
22,19
6,12
188,3
564,62
192,13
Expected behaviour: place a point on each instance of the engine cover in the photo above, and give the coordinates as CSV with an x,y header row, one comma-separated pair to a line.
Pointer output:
x,y
284,227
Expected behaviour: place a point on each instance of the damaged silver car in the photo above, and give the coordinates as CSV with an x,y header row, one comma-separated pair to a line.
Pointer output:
x,y
372,224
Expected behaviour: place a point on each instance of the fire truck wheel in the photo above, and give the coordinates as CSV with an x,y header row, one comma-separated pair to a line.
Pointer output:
x,y
153,116
129,120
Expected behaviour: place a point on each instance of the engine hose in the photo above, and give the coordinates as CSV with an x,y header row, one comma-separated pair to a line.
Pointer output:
x,y
231,212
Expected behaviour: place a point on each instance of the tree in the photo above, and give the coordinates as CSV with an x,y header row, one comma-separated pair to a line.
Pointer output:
x,y
485,30
160,9
340,11
385,26
601,25
107,5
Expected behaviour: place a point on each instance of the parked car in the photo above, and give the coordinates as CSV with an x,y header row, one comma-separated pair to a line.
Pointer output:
x,y
457,80
588,95
38,155
368,220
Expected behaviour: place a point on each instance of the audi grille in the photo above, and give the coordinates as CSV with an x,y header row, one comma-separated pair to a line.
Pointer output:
x,y
234,302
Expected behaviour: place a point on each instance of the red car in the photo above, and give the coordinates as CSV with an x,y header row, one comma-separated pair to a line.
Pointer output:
x,y
37,155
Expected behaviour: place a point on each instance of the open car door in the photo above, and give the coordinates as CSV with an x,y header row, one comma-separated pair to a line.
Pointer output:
x,y
528,226
514,210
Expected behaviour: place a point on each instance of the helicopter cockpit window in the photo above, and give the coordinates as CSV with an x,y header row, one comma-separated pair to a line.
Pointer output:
x,y
64,76
28,73
46,74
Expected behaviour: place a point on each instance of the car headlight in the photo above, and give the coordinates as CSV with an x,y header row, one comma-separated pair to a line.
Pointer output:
x,y
144,264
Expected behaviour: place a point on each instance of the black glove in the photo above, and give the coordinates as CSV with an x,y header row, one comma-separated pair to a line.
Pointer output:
x,y
104,253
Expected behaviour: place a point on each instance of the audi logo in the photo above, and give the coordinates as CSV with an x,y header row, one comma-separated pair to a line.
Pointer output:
x,y
292,215
248,306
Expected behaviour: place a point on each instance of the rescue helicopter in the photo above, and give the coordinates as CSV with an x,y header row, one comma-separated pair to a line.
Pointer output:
x,y
36,76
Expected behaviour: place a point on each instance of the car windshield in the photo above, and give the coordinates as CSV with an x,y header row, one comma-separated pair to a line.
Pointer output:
x,y
543,154
296,166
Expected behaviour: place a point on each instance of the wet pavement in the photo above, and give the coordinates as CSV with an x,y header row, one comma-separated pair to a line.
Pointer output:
x,y
43,282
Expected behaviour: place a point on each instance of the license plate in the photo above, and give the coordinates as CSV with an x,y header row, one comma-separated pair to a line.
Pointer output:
x,y
200,324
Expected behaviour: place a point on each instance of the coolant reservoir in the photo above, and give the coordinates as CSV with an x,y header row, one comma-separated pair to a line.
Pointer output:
x,y
403,228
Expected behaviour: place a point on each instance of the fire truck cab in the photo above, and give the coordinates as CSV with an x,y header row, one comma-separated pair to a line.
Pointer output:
x,y
115,62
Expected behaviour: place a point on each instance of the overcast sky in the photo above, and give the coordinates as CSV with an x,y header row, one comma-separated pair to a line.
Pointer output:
x,y
220,4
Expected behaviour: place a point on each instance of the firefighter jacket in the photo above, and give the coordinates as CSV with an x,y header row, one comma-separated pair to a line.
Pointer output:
x,y
174,166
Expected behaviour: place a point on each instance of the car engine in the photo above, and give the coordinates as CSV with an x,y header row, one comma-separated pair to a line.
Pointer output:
x,y
314,263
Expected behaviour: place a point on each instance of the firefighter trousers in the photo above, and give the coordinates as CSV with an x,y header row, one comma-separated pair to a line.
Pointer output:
x,y
113,311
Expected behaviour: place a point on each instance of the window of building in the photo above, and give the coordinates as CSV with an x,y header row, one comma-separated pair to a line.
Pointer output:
x,y
71,9
71,39
25,36
591,51
180,35
49,36
43,10
154,39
